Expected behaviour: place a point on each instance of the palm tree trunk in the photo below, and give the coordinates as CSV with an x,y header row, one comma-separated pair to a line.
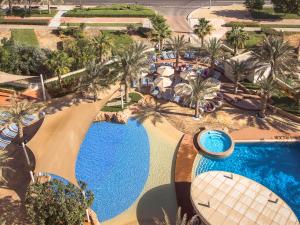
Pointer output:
x,y
264,103
177,59
49,8
236,87
21,132
59,80
197,109
235,50
126,91
202,41
160,44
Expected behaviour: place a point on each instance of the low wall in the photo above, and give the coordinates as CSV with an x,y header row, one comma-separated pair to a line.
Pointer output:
x,y
117,117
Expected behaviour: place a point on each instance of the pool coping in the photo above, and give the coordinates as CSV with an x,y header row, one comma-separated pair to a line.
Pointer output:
x,y
266,140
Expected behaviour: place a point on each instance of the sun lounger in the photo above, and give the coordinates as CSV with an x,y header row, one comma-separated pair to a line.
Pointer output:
x,y
13,127
3,145
5,140
28,120
9,133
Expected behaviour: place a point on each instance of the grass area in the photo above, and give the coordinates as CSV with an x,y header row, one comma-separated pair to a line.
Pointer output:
x,y
11,87
268,13
25,21
254,39
256,24
24,37
120,39
134,98
34,13
102,24
118,10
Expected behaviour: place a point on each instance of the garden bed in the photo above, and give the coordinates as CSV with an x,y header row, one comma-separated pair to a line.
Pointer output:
x,y
118,10
269,14
34,13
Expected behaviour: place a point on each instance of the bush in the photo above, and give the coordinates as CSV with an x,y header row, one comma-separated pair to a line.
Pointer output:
x,y
254,4
286,6
271,31
25,21
242,24
144,32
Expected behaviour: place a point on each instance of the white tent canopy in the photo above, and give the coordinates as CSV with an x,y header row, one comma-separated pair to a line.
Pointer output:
x,y
188,75
6,77
165,71
162,83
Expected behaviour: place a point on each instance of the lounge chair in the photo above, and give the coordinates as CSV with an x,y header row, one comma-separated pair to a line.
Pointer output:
x,y
28,120
5,140
9,133
3,145
13,127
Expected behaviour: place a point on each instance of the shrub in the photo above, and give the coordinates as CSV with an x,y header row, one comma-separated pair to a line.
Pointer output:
x,y
242,24
286,6
25,21
144,32
254,4
271,31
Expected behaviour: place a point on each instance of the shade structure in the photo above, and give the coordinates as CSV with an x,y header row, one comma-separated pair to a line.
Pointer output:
x,y
188,75
165,71
183,89
162,82
57,142
6,77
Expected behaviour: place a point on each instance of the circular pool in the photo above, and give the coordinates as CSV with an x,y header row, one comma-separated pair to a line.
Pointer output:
x,y
114,162
215,143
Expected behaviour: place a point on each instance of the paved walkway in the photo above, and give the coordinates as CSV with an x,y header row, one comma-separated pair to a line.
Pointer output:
x,y
56,20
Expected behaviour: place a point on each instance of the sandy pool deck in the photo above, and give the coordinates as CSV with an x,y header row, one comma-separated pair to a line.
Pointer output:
x,y
159,190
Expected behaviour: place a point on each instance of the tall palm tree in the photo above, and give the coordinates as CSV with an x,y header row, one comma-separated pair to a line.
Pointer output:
x,y
239,72
213,48
161,30
130,64
103,44
180,219
274,58
202,29
17,113
4,158
177,44
60,63
237,37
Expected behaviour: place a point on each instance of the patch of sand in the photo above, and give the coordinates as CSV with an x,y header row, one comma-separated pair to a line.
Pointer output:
x,y
4,33
47,39
159,190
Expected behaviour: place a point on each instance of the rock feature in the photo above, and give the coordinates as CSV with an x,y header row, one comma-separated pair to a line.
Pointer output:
x,y
116,117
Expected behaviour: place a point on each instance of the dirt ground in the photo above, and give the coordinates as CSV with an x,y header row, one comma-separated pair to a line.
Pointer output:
x,y
47,39
293,39
4,33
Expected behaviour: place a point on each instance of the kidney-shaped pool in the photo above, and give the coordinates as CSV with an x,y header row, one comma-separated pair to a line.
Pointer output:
x,y
114,162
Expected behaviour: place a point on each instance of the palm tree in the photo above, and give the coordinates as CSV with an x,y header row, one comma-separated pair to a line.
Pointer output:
x,y
60,63
202,29
274,58
103,44
177,44
4,158
237,37
239,71
213,48
161,30
180,219
17,113
130,64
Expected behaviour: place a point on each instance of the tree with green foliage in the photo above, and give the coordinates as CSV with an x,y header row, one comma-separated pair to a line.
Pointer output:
x,y
237,37
286,6
274,58
202,29
254,4
130,64
214,51
57,203
59,63
239,72
161,30
4,158
178,44
180,219
103,45
266,86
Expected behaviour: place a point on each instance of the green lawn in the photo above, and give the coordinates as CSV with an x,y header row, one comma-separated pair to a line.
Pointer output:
x,y
103,24
268,13
34,13
254,39
256,24
134,98
24,37
118,10
120,39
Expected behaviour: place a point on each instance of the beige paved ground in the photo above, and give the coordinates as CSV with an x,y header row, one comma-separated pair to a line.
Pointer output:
x,y
159,191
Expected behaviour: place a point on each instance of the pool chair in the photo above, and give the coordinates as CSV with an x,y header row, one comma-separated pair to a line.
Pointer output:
x,y
176,99
13,127
9,133
172,55
3,145
28,120
5,140
164,55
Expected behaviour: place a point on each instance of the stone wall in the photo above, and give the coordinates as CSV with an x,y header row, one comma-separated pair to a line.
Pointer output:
x,y
117,117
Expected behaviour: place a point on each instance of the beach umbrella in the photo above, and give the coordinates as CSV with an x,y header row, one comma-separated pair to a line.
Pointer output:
x,y
183,89
188,75
162,82
165,71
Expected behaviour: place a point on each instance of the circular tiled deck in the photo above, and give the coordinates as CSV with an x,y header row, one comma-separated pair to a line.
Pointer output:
x,y
222,198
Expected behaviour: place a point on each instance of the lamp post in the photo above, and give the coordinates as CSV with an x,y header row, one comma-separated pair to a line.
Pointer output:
x,y
43,87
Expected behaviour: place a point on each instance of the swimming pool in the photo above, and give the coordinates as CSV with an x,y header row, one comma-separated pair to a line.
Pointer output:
x,y
215,141
275,165
114,162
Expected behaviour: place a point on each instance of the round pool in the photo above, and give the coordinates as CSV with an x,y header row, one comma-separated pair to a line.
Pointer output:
x,y
215,143
114,162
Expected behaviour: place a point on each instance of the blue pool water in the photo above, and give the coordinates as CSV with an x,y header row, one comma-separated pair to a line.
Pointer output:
x,y
215,141
114,162
275,165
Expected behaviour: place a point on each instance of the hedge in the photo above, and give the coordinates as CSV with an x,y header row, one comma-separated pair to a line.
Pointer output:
x,y
25,21
256,24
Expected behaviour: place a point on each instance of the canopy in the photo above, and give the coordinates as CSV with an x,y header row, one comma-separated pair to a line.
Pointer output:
x,y
165,71
162,82
57,142
6,77
188,75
